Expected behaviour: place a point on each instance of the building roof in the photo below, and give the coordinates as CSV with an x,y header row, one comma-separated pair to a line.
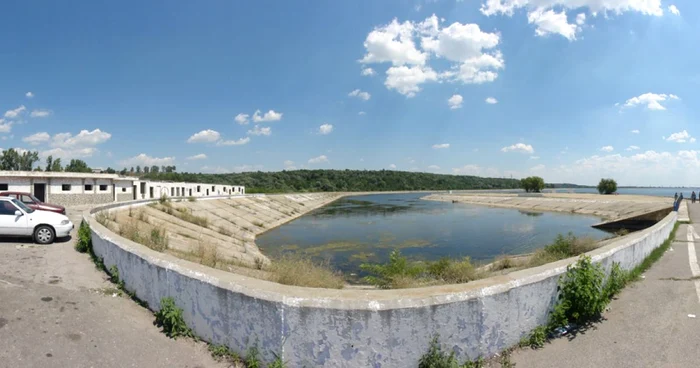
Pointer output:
x,y
46,174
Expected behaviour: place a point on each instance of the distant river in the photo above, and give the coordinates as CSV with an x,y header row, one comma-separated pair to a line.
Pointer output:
x,y
359,229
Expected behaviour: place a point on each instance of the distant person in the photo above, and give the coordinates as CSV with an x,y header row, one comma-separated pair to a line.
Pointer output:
x,y
693,197
675,197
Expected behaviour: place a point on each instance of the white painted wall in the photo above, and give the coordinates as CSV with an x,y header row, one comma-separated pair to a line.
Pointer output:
x,y
76,186
17,184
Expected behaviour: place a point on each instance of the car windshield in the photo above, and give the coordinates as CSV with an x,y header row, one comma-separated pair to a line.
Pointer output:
x,y
22,206
35,199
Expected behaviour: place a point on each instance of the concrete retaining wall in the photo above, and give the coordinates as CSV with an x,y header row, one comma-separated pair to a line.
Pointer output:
x,y
354,328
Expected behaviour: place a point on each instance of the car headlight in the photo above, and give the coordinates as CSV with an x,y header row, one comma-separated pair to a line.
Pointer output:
x,y
65,222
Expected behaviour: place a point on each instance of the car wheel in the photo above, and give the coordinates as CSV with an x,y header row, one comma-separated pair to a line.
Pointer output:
x,y
44,234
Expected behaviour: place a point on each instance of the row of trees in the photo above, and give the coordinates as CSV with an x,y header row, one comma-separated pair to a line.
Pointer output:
x,y
535,184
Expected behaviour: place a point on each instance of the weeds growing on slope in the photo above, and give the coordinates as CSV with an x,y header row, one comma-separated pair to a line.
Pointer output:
x,y
562,248
294,270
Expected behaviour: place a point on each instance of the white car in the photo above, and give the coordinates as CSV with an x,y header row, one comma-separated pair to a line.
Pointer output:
x,y
16,219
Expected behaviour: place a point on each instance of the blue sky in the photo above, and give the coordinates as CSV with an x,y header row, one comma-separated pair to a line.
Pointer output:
x,y
612,92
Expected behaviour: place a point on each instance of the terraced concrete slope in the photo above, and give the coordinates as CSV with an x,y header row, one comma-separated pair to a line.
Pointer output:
x,y
608,207
216,232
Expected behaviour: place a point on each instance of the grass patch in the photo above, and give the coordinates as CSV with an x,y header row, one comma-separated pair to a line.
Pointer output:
x,y
156,238
183,214
435,357
208,254
562,248
291,270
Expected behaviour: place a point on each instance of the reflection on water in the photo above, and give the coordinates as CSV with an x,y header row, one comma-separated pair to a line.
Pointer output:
x,y
360,229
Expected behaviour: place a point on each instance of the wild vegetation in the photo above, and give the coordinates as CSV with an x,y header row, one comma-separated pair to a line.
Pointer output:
x,y
532,184
339,180
294,270
563,247
607,186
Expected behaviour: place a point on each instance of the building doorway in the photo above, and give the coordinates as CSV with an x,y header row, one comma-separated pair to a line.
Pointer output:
x,y
150,189
40,192
135,196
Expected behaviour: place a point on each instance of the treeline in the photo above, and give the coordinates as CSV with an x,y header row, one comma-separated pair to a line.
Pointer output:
x,y
339,181
14,160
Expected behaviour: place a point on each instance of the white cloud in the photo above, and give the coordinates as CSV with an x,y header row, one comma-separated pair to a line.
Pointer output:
x,y
434,167
368,72
234,142
534,157
441,146
674,10
242,119
69,153
200,156
392,166
318,160
205,136
491,100
37,138
632,148
5,127
680,137
407,81
289,165
550,22
393,43
29,95
519,147
607,148
470,52
652,101
325,129
83,139
14,113
268,116
146,160
40,113
260,131
360,94
557,22
634,131
455,102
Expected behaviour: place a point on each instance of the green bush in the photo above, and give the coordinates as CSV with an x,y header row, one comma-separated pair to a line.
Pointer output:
x,y
396,271
533,184
252,357
84,242
607,186
536,338
616,281
436,358
169,317
581,296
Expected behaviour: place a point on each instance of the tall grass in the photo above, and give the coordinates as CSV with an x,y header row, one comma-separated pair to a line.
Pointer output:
x,y
562,248
291,270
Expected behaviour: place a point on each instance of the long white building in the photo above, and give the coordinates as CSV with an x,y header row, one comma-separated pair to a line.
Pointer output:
x,y
67,188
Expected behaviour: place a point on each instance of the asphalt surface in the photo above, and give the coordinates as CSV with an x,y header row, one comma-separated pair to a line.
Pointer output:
x,y
58,310
653,323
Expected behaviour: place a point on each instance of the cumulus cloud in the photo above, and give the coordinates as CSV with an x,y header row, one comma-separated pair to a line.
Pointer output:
x,y
455,102
470,53
634,131
607,148
519,147
632,148
143,159
84,138
200,156
368,72
14,113
674,10
491,100
40,113
29,95
325,129
651,101
680,137
542,13
233,142
361,113
318,160
269,116
360,94
205,136
257,130
242,119
5,127
441,146
37,138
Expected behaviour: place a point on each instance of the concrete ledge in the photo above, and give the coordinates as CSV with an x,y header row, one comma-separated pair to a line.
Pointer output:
x,y
353,328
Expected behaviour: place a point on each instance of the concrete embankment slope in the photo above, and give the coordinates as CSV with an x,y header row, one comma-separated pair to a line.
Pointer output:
x,y
610,208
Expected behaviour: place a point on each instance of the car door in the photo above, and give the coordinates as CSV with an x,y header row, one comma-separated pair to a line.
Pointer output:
x,y
10,223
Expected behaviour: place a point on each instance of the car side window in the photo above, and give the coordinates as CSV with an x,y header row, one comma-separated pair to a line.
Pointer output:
x,y
27,199
7,208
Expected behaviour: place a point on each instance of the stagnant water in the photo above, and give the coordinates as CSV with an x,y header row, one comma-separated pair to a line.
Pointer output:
x,y
360,229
